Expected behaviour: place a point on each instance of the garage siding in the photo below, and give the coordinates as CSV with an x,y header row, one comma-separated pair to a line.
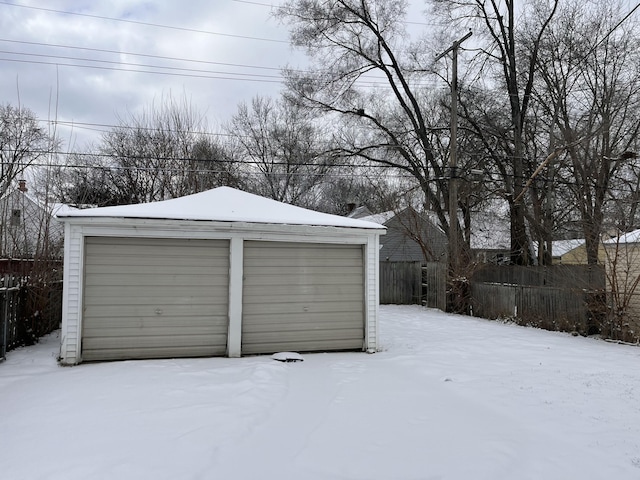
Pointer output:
x,y
149,298
302,297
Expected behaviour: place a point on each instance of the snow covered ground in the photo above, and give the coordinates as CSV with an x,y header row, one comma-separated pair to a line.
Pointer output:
x,y
448,398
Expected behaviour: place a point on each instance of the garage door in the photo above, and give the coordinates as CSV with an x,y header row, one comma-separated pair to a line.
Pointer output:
x,y
151,298
302,297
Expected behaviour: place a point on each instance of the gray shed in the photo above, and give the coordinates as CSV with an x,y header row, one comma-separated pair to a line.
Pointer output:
x,y
222,272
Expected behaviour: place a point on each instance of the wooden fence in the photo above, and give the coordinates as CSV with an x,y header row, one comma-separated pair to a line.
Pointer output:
x,y
434,285
561,276
27,311
545,307
9,319
413,283
558,297
400,283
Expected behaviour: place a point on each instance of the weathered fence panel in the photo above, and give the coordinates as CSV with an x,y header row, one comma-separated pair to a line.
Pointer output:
x,y
490,300
590,277
434,285
400,283
27,312
9,334
545,307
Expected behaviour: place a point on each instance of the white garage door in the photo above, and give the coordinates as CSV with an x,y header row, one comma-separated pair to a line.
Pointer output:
x,y
152,298
302,297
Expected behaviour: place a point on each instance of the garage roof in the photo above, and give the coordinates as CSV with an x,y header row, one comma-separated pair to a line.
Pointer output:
x,y
223,204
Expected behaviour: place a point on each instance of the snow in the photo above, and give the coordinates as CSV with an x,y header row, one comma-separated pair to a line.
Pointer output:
x,y
630,237
380,218
62,208
287,357
224,204
447,397
560,247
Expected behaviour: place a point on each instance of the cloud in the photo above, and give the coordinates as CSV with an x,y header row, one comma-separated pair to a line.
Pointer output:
x,y
101,59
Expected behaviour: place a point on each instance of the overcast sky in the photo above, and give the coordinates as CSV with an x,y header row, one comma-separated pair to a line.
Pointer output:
x,y
95,60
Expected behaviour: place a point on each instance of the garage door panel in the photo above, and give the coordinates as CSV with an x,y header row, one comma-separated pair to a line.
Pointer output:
x,y
294,323
165,246
99,280
190,258
137,269
133,299
124,323
302,297
284,271
146,298
159,352
175,311
302,335
303,262
301,303
261,292
126,344
303,345
139,335
149,291
308,280
254,311
302,251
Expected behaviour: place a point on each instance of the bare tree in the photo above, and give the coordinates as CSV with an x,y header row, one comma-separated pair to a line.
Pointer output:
x,y
22,143
282,149
592,93
369,82
512,76
163,153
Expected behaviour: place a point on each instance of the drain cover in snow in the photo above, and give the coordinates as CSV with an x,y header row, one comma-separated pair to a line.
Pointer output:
x,y
287,357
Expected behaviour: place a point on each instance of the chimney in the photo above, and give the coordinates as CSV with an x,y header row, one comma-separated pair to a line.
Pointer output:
x,y
22,185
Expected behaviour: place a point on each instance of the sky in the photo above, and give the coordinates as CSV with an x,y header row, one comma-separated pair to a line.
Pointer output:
x,y
87,63
446,397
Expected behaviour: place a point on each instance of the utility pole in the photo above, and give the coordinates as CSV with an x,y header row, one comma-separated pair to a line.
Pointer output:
x,y
454,250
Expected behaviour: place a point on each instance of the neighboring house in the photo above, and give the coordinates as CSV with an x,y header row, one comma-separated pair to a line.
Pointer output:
x,y
221,272
28,227
490,236
622,267
569,252
358,212
411,236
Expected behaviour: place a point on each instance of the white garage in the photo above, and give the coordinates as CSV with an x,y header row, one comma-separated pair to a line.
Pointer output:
x,y
221,272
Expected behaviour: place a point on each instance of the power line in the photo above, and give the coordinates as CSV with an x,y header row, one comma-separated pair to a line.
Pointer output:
x,y
247,77
141,65
146,24
371,164
212,170
98,67
132,127
161,158
161,57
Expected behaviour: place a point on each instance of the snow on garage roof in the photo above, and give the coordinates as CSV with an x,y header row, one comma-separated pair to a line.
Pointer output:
x,y
223,204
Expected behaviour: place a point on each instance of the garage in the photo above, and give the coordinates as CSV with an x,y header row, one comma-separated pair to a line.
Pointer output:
x,y
221,272
302,297
150,297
